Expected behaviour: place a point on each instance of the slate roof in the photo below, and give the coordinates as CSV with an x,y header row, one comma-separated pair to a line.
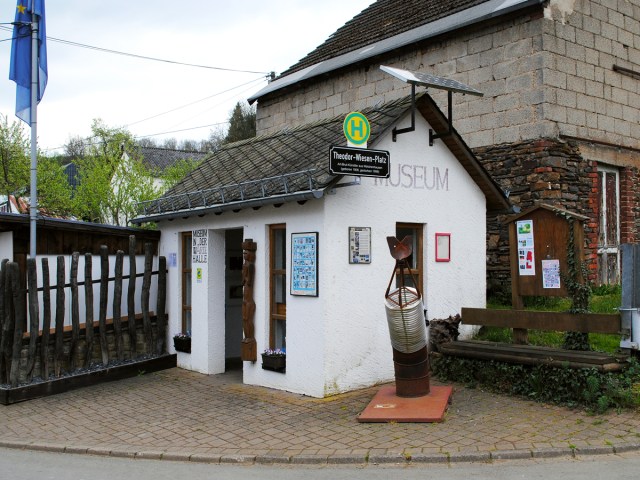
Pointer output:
x,y
294,165
387,26
382,19
158,159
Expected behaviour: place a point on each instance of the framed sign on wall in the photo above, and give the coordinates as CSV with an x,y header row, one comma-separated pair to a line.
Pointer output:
x,y
443,247
359,244
304,264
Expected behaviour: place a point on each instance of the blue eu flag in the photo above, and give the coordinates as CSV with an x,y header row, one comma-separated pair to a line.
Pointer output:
x,y
20,69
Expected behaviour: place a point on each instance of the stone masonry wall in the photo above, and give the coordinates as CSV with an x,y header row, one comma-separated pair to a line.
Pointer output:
x,y
544,74
539,171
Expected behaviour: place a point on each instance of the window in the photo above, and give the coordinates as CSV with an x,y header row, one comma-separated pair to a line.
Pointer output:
x,y
414,262
278,286
608,226
186,282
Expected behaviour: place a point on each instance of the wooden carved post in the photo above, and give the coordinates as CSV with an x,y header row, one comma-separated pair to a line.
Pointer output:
x,y
104,290
88,297
131,292
249,350
117,302
75,311
46,320
34,315
60,298
4,308
20,322
161,306
146,290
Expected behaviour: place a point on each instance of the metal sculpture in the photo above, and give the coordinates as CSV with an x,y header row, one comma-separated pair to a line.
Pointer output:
x,y
407,327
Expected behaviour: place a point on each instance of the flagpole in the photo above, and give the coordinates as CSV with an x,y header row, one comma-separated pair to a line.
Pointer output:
x,y
33,210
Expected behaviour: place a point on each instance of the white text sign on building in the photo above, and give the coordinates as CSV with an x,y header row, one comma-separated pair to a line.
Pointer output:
x,y
362,162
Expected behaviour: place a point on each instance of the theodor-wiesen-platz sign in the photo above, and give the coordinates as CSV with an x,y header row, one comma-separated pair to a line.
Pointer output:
x,y
359,161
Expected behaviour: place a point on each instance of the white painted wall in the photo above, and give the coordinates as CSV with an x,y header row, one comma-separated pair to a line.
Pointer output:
x,y
339,340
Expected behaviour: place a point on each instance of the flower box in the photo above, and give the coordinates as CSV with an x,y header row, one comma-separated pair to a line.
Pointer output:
x,y
274,362
182,343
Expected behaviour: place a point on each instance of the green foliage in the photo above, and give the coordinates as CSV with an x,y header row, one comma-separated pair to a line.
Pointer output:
x,y
54,191
242,123
176,172
587,388
112,177
14,158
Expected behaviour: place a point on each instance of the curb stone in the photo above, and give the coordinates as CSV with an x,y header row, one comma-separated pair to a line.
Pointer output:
x,y
346,458
272,459
388,458
553,452
46,447
510,454
201,458
594,450
429,458
237,459
627,447
470,457
310,459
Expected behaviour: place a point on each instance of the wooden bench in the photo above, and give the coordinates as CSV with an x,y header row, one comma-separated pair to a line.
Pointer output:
x,y
534,355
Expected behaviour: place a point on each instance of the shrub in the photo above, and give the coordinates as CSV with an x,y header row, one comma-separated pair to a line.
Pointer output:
x,y
586,387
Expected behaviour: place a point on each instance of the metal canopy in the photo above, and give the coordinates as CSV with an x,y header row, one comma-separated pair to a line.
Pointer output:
x,y
427,80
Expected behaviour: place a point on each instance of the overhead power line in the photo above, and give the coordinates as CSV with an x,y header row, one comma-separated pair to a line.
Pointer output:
x,y
142,57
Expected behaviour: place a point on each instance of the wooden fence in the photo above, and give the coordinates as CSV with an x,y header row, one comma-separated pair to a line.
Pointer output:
x,y
30,347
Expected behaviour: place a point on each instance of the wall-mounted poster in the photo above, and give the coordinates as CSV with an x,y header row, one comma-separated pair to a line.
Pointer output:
x,y
304,264
550,273
443,247
526,257
359,244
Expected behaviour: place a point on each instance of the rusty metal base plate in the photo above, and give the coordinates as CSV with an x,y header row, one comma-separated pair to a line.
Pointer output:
x,y
386,406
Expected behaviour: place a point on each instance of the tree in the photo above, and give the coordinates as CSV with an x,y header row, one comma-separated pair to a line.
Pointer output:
x,y
76,147
176,172
242,123
112,177
54,191
14,158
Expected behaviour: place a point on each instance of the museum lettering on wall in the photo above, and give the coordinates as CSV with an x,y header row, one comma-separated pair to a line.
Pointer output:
x,y
200,246
416,176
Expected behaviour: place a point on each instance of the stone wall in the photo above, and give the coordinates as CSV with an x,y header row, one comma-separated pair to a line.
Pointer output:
x,y
533,172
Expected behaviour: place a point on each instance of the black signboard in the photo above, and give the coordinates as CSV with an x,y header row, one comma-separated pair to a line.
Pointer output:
x,y
359,161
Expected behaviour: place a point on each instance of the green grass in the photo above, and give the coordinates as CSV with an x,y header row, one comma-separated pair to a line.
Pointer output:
x,y
605,299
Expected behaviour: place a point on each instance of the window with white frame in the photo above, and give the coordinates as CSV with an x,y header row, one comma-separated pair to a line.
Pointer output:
x,y
608,225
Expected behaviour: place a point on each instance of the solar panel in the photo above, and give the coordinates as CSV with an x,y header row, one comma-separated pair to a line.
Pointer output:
x,y
427,80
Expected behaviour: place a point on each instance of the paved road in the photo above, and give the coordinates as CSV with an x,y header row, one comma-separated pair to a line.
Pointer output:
x,y
32,465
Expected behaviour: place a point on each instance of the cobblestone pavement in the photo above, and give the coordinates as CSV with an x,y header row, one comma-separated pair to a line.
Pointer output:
x,y
180,415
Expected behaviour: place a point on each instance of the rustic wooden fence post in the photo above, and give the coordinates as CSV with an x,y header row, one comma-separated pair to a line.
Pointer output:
x,y
60,298
131,299
19,304
161,302
34,315
104,290
146,287
4,320
75,310
88,300
46,320
117,309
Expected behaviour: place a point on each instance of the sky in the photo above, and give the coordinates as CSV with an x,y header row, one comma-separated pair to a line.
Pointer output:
x,y
157,99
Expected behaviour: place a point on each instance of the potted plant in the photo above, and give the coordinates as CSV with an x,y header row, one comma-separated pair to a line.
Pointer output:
x,y
275,360
182,342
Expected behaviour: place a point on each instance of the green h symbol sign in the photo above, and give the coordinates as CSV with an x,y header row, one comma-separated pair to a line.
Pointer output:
x,y
356,128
